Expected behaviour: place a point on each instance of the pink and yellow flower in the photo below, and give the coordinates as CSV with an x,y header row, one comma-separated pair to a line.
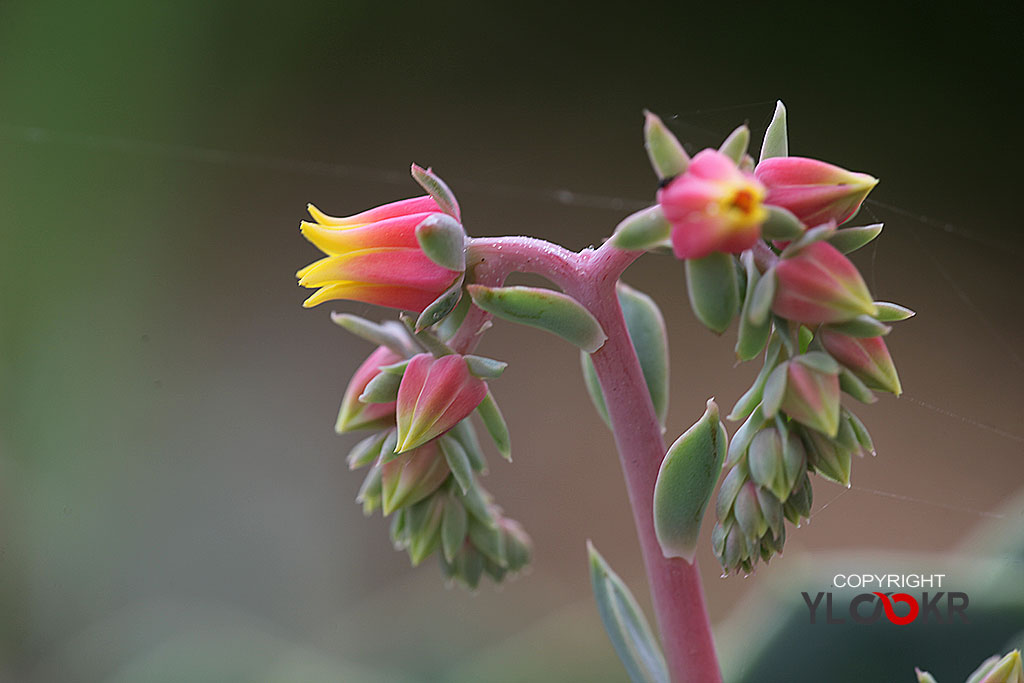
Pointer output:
x,y
435,394
374,257
355,414
820,285
713,207
814,191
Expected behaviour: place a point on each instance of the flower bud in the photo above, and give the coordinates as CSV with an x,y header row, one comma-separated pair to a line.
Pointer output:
x,y
412,476
820,285
868,359
814,191
714,206
812,397
357,415
435,394
828,458
1009,669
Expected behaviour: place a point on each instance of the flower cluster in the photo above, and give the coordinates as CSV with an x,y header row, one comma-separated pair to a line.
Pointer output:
x,y
761,243
413,390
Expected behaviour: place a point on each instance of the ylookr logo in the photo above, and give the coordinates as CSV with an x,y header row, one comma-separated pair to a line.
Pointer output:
x,y
867,608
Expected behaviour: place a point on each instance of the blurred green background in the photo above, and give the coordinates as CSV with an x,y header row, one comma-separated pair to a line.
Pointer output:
x,y
174,504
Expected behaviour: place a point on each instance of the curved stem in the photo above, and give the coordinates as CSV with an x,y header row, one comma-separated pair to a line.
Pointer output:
x,y
590,277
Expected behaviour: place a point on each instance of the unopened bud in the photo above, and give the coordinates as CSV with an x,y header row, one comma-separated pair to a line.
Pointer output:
x,y
820,285
435,394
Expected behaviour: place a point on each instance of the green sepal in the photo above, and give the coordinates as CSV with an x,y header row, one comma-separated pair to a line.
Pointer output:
x,y
645,229
443,240
761,298
625,624
667,156
381,389
366,451
465,433
924,676
818,360
485,368
438,189
447,328
370,491
749,400
454,526
713,288
774,390
751,338
545,309
389,334
848,240
776,138
422,528
387,449
891,313
852,385
488,540
734,480
741,439
817,234
458,462
781,224
862,326
685,483
861,431
477,506
441,307
495,424
735,146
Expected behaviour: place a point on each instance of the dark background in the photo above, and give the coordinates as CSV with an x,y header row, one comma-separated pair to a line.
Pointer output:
x,y
173,502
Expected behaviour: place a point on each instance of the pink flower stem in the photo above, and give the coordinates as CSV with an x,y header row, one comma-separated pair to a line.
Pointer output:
x,y
590,277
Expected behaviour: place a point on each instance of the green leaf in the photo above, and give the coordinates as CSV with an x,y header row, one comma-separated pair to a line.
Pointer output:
x,y
852,385
848,240
751,338
631,635
735,146
594,387
685,483
714,290
774,390
668,158
496,426
642,230
650,339
443,240
776,138
544,309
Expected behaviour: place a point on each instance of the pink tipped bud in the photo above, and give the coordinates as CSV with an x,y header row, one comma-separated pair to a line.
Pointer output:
x,y
820,285
867,357
357,415
435,394
812,397
412,476
812,190
713,207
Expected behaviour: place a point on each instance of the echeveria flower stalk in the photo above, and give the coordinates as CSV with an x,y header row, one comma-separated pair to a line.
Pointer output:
x,y
435,394
375,257
713,206
812,190
820,285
